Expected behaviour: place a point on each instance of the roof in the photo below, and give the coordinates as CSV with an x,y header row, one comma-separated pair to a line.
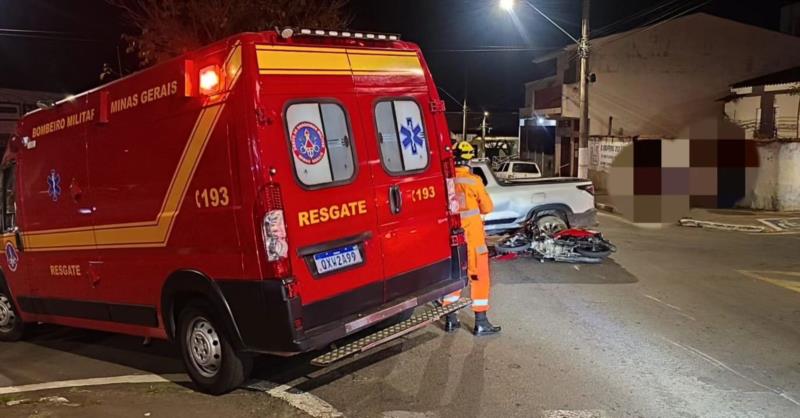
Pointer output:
x,y
791,75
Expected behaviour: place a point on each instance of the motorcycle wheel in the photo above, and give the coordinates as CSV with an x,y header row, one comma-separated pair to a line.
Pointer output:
x,y
595,249
513,244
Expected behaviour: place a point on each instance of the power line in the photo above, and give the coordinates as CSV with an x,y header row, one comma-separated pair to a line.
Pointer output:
x,y
611,27
654,23
490,49
449,95
47,35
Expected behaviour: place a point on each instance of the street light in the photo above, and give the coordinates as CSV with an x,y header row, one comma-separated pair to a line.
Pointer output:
x,y
583,53
482,148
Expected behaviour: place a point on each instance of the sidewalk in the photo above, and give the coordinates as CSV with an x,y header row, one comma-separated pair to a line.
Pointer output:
x,y
745,220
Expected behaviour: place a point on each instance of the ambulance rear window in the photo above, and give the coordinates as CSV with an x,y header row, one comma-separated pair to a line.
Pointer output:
x,y
320,139
401,134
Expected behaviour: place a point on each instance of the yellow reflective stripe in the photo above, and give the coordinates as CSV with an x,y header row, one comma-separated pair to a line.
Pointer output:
x,y
480,302
465,180
482,249
273,60
154,233
470,213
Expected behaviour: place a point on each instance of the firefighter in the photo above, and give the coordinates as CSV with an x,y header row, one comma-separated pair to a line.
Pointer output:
x,y
473,202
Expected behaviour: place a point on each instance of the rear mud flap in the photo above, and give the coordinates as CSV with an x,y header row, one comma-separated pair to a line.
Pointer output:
x,y
391,333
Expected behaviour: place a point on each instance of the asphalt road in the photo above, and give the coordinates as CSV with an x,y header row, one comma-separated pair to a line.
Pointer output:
x,y
679,323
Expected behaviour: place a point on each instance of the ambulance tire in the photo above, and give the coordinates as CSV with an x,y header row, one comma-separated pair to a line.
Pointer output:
x,y
11,326
215,367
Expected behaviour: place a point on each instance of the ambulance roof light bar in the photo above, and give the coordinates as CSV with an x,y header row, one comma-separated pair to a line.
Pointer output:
x,y
289,32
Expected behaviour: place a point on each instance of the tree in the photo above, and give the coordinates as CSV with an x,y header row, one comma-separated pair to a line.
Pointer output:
x,y
164,29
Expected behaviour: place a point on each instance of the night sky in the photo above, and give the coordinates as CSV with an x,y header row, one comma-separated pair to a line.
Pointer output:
x,y
454,35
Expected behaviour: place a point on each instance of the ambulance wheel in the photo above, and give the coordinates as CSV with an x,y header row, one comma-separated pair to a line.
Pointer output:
x,y
210,359
11,325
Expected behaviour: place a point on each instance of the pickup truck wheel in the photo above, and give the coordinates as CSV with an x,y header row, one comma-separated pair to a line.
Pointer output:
x,y
550,224
211,361
11,326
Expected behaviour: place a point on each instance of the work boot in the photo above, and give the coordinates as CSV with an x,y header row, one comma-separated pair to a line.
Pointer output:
x,y
483,326
451,322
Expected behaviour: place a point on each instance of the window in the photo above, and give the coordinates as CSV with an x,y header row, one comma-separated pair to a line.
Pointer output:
x,y
525,168
319,135
9,112
504,168
9,199
571,73
401,134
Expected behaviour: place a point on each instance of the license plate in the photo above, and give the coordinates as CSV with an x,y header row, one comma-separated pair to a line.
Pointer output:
x,y
337,259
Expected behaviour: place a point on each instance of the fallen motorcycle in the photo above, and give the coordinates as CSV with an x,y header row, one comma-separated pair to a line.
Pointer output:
x,y
567,246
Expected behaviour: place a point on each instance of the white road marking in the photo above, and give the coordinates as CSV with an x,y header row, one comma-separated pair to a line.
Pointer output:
x,y
563,413
303,401
724,366
678,310
99,381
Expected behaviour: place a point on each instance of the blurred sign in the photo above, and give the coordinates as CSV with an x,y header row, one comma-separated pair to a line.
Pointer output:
x,y
602,153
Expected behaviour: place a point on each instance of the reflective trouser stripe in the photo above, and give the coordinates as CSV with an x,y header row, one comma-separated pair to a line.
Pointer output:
x,y
464,180
481,282
482,249
470,213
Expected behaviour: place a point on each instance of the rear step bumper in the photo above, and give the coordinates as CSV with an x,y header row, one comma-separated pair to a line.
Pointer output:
x,y
391,333
264,319
322,336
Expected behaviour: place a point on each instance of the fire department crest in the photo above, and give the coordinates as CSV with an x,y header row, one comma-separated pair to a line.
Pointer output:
x,y
308,143
11,257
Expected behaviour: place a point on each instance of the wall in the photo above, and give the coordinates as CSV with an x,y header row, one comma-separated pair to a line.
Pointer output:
x,y
777,183
658,82
603,150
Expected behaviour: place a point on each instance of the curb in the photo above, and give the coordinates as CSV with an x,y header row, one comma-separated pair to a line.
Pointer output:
x,y
605,207
695,223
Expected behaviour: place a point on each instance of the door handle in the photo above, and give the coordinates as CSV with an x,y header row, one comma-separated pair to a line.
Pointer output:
x,y
395,199
18,239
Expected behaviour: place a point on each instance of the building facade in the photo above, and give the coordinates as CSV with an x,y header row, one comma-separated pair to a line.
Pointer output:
x,y
14,104
655,82
767,109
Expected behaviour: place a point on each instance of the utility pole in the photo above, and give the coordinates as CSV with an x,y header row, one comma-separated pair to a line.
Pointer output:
x,y
583,52
464,121
482,149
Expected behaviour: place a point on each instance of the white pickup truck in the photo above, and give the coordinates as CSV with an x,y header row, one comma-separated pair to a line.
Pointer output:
x,y
518,171
553,203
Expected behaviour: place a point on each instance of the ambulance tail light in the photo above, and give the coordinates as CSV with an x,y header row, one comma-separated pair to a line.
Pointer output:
x,y
210,80
273,232
456,233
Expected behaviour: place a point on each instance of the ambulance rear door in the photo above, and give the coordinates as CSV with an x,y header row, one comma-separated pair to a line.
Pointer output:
x,y
410,187
320,159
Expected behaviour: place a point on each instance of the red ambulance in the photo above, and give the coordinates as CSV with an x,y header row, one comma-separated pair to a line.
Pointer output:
x,y
269,193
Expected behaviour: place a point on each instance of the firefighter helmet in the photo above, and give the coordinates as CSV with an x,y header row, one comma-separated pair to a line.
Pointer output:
x,y
463,152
